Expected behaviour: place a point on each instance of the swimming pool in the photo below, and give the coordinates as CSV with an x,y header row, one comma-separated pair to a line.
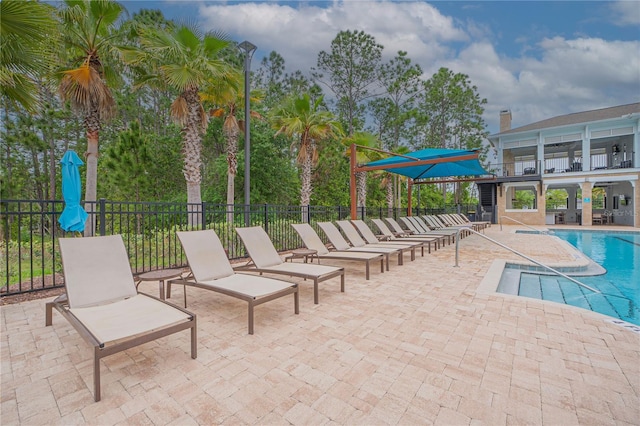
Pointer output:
x,y
619,253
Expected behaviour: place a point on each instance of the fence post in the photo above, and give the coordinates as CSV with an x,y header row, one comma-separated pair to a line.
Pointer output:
x,y
103,217
308,213
203,215
266,217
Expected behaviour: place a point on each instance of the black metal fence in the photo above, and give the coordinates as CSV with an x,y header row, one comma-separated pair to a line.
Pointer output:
x,y
31,260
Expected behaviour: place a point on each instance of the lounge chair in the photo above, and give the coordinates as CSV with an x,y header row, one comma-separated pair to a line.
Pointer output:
x,y
463,220
339,243
312,241
211,270
371,238
265,259
419,229
357,242
433,224
102,303
403,236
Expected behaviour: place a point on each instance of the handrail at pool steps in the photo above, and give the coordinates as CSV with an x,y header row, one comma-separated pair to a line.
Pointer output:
x,y
523,256
523,224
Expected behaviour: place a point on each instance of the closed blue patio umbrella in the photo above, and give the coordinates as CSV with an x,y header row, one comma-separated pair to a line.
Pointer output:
x,y
73,216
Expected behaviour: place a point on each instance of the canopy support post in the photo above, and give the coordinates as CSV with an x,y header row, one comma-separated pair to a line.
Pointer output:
x,y
409,197
352,181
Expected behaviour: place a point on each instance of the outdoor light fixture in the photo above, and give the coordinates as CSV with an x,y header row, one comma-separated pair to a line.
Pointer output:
x,y
248,48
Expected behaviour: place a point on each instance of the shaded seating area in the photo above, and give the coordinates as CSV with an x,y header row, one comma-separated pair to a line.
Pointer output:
x,y
265,259
211,270
103,305
312,241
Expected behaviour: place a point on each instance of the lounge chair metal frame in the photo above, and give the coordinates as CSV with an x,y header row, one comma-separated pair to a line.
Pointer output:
x,y
339,243
371,238
290,269
304,230
105,349
252,300
403,236
358,243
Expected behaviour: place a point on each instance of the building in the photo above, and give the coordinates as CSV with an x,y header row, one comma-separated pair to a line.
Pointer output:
x,y
581,168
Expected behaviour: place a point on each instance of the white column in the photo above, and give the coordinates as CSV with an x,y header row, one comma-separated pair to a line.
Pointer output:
x,y
540,155
586,149
636,145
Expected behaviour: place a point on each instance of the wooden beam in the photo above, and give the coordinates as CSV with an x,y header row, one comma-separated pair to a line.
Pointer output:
x,y
491,179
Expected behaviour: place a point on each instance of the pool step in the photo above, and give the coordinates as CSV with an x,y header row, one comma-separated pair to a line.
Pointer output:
x,y
610,302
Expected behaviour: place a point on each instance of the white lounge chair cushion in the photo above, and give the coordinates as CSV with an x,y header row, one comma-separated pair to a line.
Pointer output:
x,y
248,285
308,269
205,254
96,270
334,235
259,246
126,318
310,238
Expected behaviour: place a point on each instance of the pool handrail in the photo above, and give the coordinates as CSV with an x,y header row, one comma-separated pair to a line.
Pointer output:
x,y
524,256
544,232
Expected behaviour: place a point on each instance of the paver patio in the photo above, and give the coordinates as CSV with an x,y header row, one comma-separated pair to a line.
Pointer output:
x,y
415,345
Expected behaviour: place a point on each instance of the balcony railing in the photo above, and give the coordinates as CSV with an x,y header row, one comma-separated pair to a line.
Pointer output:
x,y
519,168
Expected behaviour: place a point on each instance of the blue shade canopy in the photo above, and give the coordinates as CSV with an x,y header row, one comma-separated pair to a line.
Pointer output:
x,y
73,216
414,170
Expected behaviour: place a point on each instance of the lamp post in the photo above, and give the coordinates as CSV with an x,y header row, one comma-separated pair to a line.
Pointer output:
x,y
248,49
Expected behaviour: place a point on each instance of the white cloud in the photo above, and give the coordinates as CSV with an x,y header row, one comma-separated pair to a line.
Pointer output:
x,y
552,76
626,12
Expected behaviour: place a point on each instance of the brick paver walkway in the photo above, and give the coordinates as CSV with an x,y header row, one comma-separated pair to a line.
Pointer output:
x,y
415,345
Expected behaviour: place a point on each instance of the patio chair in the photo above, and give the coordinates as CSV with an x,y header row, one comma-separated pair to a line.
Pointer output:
x,y
435,224
462,220
211,270
449,222
102,303
312,241
265,259
339,243
597,219
420,228
371,238
357,242
389,234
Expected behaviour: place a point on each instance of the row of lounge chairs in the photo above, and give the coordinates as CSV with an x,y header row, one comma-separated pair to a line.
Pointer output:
x,y
104,306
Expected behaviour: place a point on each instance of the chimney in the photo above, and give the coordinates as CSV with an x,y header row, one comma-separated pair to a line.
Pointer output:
x,y
505,120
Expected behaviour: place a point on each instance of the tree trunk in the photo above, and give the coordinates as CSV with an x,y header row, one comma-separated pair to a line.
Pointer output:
x,y
305,180
192,150
92,123
232,170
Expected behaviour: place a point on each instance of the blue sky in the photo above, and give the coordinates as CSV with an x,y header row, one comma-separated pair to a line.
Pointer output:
x,y
539,59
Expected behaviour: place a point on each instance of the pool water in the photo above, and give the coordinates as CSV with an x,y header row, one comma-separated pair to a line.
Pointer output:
x,y
618,253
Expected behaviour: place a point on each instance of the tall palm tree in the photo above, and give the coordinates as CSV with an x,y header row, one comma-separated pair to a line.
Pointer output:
x,y
89,33
27,42
308,122
228,97
183,59
366,140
